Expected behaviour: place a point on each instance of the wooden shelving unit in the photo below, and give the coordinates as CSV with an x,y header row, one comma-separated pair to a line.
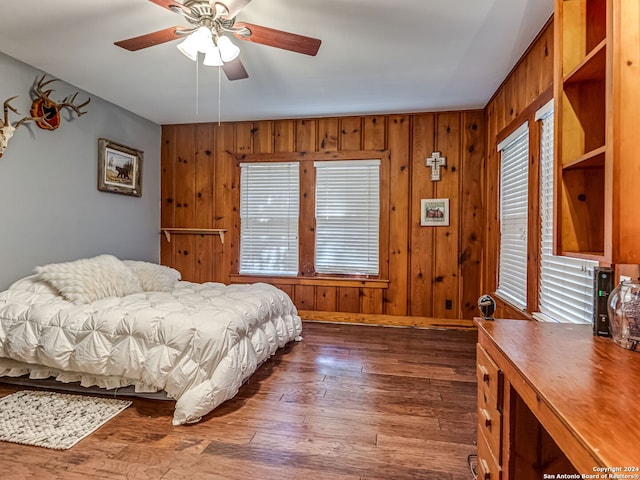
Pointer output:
x,y
193,231
596,90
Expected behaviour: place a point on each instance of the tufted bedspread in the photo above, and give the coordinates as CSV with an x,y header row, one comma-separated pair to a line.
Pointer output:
x,y
198,343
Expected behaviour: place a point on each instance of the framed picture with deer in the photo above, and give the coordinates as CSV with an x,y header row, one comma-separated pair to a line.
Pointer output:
x,y
119,168
434,212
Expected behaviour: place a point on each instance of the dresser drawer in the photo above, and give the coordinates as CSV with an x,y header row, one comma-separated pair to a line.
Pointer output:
x,y
488,468
489,377
489,422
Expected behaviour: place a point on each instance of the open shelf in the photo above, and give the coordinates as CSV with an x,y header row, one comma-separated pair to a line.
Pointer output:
x,y
583,198
592,159
583,118
591,68
193,231
597,103
584,27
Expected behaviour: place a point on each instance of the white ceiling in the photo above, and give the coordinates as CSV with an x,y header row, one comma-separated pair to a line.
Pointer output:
x,y
377,56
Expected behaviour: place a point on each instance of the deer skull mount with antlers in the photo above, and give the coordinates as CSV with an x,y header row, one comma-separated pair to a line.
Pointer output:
x,y
6,129
48,111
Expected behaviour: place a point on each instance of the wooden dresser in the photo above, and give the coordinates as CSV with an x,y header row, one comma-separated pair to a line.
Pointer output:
x,y
553,400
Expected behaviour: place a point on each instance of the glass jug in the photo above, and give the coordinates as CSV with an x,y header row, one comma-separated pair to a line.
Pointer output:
x,y
624,315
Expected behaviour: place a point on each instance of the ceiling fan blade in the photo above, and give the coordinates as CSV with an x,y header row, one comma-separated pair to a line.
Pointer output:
x,y
233,6
234,70
170,3
149,40
279,39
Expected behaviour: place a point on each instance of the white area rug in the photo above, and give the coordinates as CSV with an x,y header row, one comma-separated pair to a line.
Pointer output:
x,y
54,420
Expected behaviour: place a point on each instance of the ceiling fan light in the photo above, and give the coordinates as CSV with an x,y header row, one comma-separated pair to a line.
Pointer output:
x,y
189,47
228,51
212,58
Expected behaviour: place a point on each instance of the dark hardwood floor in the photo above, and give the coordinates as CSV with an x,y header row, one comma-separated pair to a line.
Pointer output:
x,y
348,402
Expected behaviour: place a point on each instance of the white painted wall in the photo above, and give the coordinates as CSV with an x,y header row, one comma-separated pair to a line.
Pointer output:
x,y
50,208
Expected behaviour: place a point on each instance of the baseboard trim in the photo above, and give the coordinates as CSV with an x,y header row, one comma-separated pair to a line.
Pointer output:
x,y
387,320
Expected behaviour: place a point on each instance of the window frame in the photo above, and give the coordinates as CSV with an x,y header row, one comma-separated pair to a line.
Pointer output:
x,y
509,293
579,292
284,204
306,259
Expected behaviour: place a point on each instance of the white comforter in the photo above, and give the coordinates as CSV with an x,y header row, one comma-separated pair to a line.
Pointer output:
x,y
197,343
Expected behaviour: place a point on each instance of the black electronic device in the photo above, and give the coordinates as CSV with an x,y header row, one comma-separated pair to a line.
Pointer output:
x,y
602,287
487,306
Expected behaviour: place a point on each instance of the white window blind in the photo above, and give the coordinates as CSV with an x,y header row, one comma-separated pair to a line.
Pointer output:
x,y
347,217
566,284
269,208
512,263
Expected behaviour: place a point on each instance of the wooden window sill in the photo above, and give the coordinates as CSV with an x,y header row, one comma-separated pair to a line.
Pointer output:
x,y
314,281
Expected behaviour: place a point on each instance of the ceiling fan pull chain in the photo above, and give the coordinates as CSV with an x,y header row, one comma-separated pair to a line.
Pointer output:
x,y
219,88
197,87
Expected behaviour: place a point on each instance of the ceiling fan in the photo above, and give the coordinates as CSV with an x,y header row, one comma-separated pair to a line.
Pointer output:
x,y
210,20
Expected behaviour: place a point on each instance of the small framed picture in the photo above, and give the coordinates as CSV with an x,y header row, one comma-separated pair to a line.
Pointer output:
x,y
119,168
434,212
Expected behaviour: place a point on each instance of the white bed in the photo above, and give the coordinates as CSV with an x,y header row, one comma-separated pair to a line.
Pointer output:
x,y
196,342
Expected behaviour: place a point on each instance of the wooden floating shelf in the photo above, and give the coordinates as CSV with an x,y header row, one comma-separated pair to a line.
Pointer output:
x,y
193,231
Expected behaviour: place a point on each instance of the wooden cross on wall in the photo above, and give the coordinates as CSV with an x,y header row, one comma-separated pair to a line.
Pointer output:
x,y
435,161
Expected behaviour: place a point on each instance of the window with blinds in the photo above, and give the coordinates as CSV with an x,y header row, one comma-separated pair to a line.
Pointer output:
x,y
347,217
269,209
566,284
512,263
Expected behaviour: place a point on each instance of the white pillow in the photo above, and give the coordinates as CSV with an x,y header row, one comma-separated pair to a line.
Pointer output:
x,y
90,279
154,277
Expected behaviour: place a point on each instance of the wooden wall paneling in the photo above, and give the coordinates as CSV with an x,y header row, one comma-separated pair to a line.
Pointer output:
x,y
402,178
183,256
306,234
349,299
371,300
327,135
422,254
533,215
284,136
288,289
184,171
374,132
539,66
204,177
326,299
529,80
306,141
245,136
519,89
248,136
304,297
167,191
374,138
204,246
263,137
350,139
491,196
204,254
471,212
306,135
226,201
350,133
398,135
446,239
